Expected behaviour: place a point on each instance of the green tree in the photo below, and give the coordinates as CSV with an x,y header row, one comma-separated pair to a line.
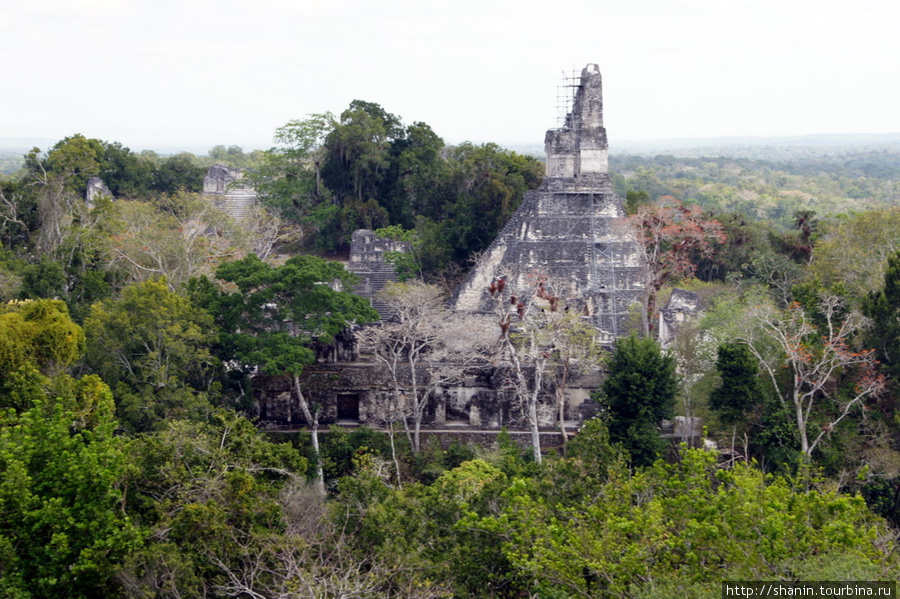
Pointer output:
x,y
125,173
207,495
425,533
639,392
883,307
77,159
856,250
634,200
416,171
358,150
740,390
592,448
659,527
278,311
487,184
746,240
63,530
153,348
35,336
179,173
290,178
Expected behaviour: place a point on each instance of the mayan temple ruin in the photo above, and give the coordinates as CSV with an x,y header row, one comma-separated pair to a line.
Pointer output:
x,y
571,233
571,230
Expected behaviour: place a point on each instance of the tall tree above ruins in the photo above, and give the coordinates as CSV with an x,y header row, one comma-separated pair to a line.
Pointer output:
x,y
541,346
365,170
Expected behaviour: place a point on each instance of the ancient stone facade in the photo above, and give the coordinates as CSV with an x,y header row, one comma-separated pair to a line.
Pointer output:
x,y
223,185
367,261
572,230
352,389
580,147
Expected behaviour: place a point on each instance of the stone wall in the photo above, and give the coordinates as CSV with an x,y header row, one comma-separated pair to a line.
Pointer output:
x,y
356,393
682,306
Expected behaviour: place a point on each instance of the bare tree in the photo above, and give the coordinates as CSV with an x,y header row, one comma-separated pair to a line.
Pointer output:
x,y
312,558
262,230
574,348
54,201
423,347
541,344
694,354
10,208
183,237
391,409
817,358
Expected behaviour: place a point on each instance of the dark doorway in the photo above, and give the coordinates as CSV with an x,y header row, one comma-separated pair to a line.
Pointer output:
x,y
348,407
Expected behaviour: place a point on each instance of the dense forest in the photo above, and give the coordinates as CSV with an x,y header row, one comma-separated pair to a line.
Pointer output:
x,y
131,328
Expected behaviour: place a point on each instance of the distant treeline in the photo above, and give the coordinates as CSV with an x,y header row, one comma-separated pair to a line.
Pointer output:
x,y
766,189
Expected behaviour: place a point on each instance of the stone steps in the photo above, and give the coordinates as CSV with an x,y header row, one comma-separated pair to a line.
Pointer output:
x,y
237,203
374,277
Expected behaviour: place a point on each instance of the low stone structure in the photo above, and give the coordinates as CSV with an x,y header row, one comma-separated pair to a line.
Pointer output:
x,y
223,185
353,393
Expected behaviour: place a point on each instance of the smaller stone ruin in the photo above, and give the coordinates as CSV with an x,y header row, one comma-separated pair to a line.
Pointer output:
x,y
95,189
682,306
223,185
367,261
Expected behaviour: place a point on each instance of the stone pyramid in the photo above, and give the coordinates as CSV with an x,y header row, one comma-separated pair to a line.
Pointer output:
x,y
572,230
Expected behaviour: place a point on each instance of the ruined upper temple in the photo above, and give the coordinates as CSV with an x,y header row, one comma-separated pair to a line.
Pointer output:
x,y
572,230
580,147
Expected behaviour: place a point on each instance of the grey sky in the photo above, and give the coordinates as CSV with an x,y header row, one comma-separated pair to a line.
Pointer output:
x,y
197,73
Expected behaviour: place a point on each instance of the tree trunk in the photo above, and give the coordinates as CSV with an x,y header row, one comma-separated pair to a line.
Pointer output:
x,y
650,316
562,422
561,405
533,415
414,398
801,425
394,453
417,430
313,421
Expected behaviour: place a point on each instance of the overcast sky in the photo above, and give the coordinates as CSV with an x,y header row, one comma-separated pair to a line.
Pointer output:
x,y
196,73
